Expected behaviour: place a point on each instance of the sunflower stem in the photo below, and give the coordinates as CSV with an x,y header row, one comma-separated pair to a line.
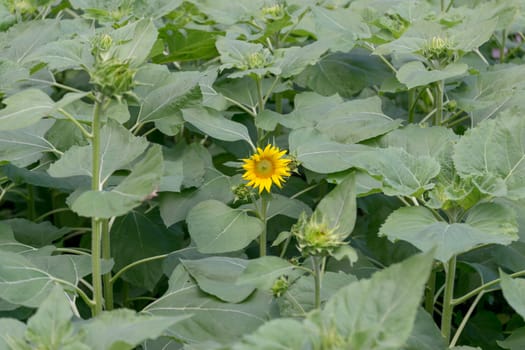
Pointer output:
x,y
262,216
317,278
448,306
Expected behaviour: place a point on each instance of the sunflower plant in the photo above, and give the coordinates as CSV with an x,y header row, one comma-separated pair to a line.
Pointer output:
x,y
262,174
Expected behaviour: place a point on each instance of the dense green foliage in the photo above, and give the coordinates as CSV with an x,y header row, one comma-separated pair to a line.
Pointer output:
x,y
126,222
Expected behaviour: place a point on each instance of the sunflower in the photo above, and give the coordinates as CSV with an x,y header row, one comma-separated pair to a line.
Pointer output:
x,y
266,167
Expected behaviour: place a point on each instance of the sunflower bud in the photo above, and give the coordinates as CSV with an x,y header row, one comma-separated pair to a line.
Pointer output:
x,y
280,286
273,12
259,59
315,238
241,192
113,77
439,51
101,44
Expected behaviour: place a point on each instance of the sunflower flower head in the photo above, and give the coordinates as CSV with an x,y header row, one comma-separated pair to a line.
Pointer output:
x,y
266,167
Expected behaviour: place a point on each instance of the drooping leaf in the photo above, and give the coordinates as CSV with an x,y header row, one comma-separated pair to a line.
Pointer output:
x,y
414,73
217,276
211,319
217,228
134,41
513,291
486,223
63,55
214,124
35,234
262,272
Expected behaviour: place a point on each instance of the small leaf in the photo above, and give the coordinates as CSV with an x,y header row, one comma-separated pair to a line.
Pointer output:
x,y
514,292
263,272
217,228
414,73
338,208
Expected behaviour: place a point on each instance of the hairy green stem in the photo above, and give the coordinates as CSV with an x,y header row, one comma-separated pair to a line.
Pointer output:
x,y
317,279
502,46
262,216
136,263
439,91
96,223
448,306
465,319
260,97
483,287
106,255
430,292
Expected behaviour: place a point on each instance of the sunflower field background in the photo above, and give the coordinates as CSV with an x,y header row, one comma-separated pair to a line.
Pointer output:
x,y
262,174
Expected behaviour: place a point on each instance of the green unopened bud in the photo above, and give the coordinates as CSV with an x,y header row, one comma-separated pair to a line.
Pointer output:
x,y
101,44
439,51
241,192
258,59
315,238
280,286
113,77
274,11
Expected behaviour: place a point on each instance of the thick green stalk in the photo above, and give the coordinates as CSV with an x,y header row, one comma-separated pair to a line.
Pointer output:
x,y
448,306
106,255
262,216
430,292
317,280
96,223
439,94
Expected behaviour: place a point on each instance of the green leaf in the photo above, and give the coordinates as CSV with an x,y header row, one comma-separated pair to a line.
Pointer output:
x,y
50,327
402,173
493,154
211,320
514,292
150,238
317,153
63,55
124,329
381,310
169,96
10,74
339,29
28,280
486,223
118,148
134,41
263,272
217,228
137,187
217,276
414,73
515,341
425,335
35,234
184,166
18,114
226,12
12,332
338,208
282,205
25,146
212,123
344,74
174,207
282,333
293,60
298,300
26,37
